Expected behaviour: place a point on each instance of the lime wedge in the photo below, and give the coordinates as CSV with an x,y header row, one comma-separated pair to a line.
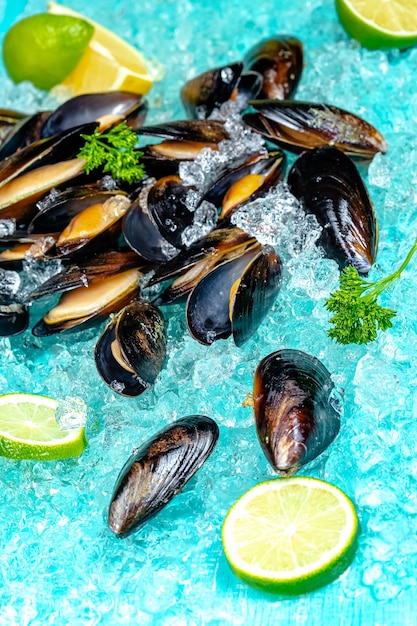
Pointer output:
x,y
109,63
44,49
29,430
290,535
380,23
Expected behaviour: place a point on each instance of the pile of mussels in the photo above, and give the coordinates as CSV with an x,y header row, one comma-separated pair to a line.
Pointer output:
x,y
111,238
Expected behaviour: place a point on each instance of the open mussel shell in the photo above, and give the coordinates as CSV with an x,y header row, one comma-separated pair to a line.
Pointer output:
x,y
267,166
207,131
131,351
56,212
26,131
193,263
158,470
81,274
94,221
234,297
87,304
298,126
296,414
207,91
329,186
279,60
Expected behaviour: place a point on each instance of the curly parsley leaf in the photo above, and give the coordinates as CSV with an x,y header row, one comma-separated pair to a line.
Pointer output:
x,y
113,151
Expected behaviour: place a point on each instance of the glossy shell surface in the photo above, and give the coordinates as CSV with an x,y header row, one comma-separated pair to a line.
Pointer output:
x,y
158,470
329,186
296,414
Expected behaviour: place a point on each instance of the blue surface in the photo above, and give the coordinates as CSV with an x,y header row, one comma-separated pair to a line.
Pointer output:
x,y
60,564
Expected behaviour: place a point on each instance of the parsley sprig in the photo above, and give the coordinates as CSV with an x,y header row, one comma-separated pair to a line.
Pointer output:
x,y
114,151
357,314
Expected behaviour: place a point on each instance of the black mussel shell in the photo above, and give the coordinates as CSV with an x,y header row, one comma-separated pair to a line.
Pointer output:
x,y
88,108
119,377
168,205
99,265
329,186
142,234
83,306
141,336
279,60
206,131
296,415
26,131
217,243
158,470
234,297
57,212
14,317
255,294
266,164
207,91
299,126
131,351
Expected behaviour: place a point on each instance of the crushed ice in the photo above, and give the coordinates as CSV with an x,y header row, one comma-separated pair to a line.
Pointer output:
x,y
71,412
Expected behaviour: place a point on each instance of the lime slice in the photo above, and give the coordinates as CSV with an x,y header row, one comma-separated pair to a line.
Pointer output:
x,y
380,23
290,535
44,48
29,430
108,63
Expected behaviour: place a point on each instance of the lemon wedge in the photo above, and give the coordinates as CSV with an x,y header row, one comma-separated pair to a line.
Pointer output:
x,y
108,63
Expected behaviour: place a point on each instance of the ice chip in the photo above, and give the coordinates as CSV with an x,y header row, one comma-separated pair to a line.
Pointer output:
x,y
209,164
116,386
205,219
7,228
48,199
277,219
71,412
9,282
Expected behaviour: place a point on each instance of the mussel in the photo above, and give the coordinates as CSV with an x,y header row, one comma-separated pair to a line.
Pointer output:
x,y
108,109
131,351
207,91
279,60
298,126
234,298
104,295
329,186
158,470
296,413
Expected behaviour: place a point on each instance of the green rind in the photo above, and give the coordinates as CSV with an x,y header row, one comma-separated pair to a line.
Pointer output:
x,y
370,37
315,578
40,452
35,60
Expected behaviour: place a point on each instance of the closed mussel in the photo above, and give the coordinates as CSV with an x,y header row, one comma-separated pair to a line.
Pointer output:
x,y
131,351
329,186
296,414
158,470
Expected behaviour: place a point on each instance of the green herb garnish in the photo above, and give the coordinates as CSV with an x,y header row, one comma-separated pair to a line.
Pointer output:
x,y
357,314
114,150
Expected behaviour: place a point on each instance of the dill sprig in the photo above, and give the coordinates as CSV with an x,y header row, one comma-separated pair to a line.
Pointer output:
x,y
357,315
115,152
